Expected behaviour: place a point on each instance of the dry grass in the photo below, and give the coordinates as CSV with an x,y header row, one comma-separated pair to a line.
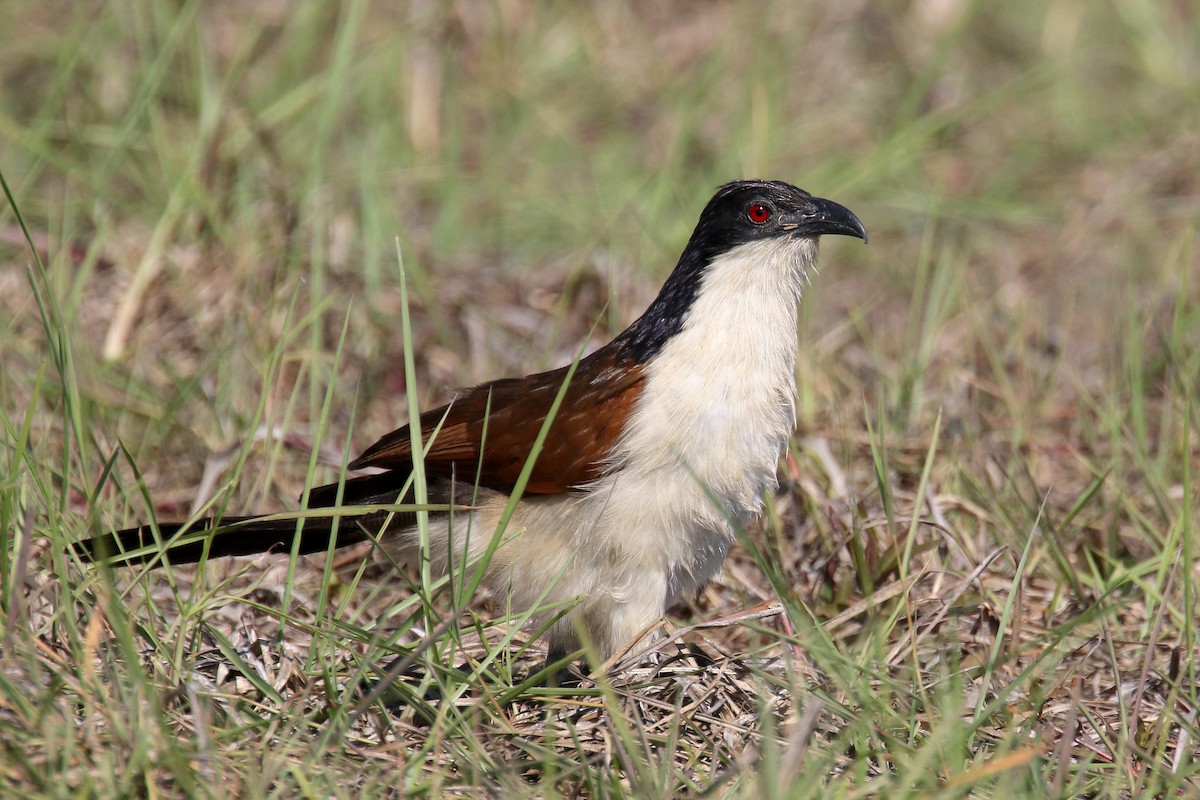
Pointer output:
x,y
980,575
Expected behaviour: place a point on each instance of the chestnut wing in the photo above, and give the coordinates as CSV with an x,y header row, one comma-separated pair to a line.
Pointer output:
x,y
490,429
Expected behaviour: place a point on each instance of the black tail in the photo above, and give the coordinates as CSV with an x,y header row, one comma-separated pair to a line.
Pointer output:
x,y
241,536
234,536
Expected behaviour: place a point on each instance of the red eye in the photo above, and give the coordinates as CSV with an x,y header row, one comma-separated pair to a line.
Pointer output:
x,y
758,213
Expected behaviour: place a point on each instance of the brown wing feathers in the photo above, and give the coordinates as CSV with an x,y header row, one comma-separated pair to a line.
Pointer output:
x,y
598,401
491,429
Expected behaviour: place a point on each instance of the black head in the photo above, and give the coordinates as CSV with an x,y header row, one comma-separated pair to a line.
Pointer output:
x,y
739,213
748,211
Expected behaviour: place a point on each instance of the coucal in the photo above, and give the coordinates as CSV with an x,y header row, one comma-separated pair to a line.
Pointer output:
x,y
666,438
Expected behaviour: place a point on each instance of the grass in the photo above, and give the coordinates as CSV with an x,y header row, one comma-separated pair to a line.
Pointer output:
x,y
981,565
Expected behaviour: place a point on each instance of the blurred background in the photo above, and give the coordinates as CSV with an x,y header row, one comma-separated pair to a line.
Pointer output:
x,y
202,175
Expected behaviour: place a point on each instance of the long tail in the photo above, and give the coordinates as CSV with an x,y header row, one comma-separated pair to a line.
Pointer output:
x,y
241,536
234,536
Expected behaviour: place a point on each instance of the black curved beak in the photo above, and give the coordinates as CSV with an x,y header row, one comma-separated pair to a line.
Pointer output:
x,y
825,217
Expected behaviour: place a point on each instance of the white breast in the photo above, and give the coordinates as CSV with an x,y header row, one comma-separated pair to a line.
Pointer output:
x,y
715,416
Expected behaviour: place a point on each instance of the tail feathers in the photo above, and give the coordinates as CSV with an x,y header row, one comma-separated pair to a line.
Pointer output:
x,y
241,536
230,536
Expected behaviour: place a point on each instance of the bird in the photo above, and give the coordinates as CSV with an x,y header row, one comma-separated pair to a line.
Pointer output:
x,y
665,440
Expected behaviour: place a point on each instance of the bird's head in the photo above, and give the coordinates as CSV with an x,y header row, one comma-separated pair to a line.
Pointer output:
x,y
749,211
746,223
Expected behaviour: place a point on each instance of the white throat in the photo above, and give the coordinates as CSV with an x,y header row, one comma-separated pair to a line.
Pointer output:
x,y
720,396
702,445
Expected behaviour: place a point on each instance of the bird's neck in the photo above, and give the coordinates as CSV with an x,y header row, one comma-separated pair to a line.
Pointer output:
x,y
641,342
719,399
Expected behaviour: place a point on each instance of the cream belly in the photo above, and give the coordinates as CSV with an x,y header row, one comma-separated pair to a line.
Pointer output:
x,y
615,559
